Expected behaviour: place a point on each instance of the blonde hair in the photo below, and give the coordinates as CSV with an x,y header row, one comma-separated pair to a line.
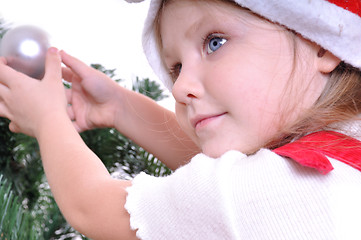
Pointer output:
x,y
340,100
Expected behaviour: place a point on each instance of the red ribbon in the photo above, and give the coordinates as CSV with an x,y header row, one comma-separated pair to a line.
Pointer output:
x,y
311,150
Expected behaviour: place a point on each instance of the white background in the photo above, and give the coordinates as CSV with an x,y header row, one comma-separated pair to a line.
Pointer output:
x,y
95,31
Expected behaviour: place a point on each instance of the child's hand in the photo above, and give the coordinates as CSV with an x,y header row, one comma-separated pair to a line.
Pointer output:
x,y
92,98
28,102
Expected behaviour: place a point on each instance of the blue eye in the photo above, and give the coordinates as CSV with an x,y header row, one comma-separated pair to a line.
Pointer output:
x,y
215,43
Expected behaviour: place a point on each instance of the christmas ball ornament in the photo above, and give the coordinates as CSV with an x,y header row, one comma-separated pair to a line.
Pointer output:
x,y
25,48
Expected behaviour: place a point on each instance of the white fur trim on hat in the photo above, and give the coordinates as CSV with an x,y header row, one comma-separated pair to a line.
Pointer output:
x,y
332,27
134,1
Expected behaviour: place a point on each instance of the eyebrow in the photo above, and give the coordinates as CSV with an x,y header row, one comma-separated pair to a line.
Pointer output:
x,y
194,27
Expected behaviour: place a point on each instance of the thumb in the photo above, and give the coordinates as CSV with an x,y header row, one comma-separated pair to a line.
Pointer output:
x,y
53,64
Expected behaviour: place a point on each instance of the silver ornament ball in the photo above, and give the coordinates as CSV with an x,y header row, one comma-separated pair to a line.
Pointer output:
x,y
25,48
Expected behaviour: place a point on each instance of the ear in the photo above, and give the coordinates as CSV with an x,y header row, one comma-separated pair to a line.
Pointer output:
x,y
326,62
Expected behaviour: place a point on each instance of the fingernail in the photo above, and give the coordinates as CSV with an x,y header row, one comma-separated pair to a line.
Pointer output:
x,y
53,50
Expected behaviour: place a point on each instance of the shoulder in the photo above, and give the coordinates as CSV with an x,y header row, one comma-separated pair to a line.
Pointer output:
x,y
233,159
225,197
231,163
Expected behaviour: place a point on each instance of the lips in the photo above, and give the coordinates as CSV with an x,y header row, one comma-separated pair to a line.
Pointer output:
x,y
201,120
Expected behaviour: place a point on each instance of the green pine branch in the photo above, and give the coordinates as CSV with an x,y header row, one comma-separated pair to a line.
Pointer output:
x,y
15,222
27,207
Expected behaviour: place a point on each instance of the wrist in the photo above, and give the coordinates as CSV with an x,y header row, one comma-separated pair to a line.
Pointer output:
x,y
121,108
52,123
102,114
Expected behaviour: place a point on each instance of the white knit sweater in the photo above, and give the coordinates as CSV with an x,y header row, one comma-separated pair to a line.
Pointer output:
x,y
263,196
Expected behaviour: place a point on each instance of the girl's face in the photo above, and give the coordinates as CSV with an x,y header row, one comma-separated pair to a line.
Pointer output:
x,y
236,78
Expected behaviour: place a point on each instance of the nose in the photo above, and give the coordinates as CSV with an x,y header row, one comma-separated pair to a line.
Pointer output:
x,y
188,86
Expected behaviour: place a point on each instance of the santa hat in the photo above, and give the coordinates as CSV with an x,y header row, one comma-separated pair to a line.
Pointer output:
x,y
335,25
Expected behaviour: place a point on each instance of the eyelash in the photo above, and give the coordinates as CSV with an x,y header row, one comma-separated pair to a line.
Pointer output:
x,y
175,70
209,37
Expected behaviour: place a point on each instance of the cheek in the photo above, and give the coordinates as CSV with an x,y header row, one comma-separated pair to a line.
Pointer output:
x,y
181,115
259,105
182,119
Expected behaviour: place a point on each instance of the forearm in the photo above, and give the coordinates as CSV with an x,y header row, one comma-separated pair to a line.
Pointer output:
x,y
82,186
89,198
155,129
63,150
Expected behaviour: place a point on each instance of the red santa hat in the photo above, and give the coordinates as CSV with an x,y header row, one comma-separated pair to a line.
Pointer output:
x,y
335,25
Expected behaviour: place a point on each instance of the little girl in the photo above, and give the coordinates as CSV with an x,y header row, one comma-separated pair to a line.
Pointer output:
x,y
268,91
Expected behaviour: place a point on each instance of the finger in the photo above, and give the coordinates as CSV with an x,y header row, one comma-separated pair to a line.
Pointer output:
x,y
76,126
68,93
3,60
53,64
9,75
4,111
71,113
3,90
79,67
13,127
69,75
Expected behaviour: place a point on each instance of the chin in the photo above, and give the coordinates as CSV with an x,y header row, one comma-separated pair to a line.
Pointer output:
x,y
214,152
212,155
